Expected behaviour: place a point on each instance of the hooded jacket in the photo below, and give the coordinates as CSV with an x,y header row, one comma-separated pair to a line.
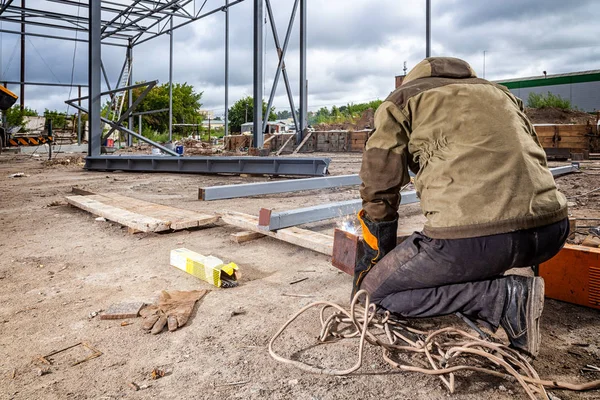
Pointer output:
x,y
480,169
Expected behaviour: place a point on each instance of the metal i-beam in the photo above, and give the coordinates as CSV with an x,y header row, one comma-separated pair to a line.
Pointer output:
x,y
268,220
290,185
211,165
258,75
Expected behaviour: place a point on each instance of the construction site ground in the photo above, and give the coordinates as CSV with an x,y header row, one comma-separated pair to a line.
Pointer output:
x,y
59,267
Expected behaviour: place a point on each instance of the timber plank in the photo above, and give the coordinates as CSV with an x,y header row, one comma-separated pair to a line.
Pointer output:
x,y
179,218
93,204
300,237
245,236
141,215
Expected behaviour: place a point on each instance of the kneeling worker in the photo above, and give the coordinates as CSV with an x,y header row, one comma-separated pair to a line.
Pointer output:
x,y
490,201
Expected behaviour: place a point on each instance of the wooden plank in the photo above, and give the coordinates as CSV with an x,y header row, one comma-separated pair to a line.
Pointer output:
x,y
245,236
303,142
284,145
300,237
178,218
142,216
93,204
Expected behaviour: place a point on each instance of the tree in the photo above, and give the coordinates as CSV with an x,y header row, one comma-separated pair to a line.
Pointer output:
x,y
243,111
15,117
186,106
285,114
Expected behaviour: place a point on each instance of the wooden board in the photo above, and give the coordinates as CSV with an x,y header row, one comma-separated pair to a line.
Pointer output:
x,y
139,215
300,237
245,236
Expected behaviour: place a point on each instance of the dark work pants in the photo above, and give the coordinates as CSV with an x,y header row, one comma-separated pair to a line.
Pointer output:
x,y
425,277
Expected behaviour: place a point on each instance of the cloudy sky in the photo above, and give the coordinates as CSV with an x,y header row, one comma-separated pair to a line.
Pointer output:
x,y
355,47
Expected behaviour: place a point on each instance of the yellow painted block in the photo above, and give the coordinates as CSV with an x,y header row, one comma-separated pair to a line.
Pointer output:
x,y
208,268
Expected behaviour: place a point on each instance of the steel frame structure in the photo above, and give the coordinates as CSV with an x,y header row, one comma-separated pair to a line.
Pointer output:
x,y
128,23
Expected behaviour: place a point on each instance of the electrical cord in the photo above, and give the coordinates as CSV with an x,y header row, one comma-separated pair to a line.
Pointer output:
x,y
446,351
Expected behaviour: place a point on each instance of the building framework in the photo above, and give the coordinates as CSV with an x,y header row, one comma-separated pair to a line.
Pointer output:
x,y
128,23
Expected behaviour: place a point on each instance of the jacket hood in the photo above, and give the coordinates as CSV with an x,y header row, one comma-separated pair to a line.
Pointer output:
x,y
446,67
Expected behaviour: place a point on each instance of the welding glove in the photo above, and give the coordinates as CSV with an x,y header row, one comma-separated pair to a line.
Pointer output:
x,y
379,238
173,309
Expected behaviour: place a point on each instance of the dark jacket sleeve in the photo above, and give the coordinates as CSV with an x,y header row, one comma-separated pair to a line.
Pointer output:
x,y
384,168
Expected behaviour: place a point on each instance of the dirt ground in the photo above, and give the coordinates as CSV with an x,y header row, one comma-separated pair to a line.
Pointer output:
x,y
59,267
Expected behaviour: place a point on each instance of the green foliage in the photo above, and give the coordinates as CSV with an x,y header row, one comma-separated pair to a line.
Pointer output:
x,y
285,114
186,104
15,117
536,100
348,113
59,119
243,111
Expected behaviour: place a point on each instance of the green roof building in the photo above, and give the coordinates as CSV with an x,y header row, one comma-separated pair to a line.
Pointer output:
x,y
581,88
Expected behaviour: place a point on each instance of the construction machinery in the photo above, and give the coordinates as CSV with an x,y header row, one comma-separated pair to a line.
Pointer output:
x,y
8,136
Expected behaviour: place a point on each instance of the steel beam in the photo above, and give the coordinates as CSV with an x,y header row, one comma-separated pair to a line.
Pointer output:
x,y
428,28
130,92
303,82
171,83
270,221
258,75
226,116
291,185
567,169
94,79
211,165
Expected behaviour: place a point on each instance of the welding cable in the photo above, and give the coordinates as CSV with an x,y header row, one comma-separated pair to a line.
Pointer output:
x,y
440,349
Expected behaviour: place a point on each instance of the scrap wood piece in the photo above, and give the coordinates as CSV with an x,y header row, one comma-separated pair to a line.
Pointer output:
x,y
245,236
285,145
139,215
123,310
315,241
297,149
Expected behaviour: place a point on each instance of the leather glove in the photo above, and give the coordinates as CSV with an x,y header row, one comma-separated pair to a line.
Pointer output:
x,y
173,309
379,238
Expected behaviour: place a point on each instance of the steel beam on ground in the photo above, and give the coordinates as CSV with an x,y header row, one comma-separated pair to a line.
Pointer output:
x,y
271,221
211,165
566,169
290,185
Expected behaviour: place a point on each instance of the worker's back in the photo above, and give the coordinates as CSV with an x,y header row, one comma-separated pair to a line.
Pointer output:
x,y
481,168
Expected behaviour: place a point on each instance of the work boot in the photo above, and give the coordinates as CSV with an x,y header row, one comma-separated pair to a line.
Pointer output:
x,y
522,312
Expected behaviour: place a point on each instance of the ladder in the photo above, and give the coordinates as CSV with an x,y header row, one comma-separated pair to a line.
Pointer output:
x,y
118,98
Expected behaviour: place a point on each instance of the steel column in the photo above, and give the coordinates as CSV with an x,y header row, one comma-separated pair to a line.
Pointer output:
x,y
22,99
303,82
130,92
79,117
428,28
171,83
258,75
290,185
94,79
226,68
